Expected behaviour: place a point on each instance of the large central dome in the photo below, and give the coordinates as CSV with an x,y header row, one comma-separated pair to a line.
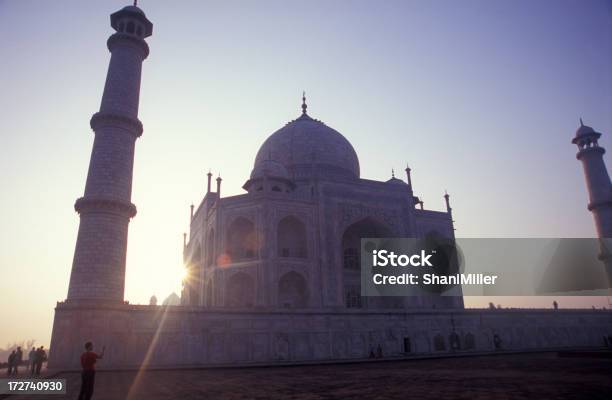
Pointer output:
x,y
306,145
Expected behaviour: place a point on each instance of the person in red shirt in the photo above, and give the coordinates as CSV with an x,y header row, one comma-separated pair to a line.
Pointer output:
x,y
88,363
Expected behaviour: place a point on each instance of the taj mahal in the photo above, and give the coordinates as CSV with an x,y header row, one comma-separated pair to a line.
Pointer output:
x,y
293,240
274,273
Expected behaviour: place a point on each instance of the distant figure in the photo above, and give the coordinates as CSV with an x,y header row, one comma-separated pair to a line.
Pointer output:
x,y
11,362
31,356
555,305
497,342
34,358
379,351
372,355
88,362
153,301
41,356
491,306
18,360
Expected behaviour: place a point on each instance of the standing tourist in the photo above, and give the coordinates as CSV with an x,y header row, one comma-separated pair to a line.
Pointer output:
x,y
11,362
41,356
18,360
88,363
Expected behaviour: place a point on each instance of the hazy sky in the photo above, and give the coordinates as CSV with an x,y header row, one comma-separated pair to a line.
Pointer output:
x,y
479,97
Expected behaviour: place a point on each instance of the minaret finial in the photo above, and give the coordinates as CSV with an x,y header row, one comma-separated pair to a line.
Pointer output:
x,y
219,185
408,174
135,3
581,124
304,106
446,199
392,173
209,176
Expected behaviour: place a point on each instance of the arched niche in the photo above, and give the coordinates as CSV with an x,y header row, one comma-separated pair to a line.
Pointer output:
x,y
210,248
351,240
240,291
241,240
351,257
291,238
292,291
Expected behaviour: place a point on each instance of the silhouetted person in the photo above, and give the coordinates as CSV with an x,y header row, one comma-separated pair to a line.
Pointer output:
x,y
379,352
31,356
497,341
88,376
18,360
34,361
11,362
372,355
555,305
41,356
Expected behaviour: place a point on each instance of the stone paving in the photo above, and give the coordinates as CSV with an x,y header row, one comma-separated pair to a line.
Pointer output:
x,y
521,376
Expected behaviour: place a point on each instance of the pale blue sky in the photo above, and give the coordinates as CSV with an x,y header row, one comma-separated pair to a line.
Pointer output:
x,y
480,97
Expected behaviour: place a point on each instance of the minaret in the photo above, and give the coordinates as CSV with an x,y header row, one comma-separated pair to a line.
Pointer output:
x,y
209,176
408,177
98,268
599,188
597,178
447,201
219,186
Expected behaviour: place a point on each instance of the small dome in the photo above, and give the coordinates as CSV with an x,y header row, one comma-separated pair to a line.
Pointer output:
x,y
584,130
585,135
269,168
396,181
304,143
132,12
133,9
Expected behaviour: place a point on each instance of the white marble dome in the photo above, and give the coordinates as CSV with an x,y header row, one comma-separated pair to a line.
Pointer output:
x,y
306,142
269,168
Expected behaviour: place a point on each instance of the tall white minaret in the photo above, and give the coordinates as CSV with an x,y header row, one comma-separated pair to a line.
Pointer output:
x,y
98,267
599,188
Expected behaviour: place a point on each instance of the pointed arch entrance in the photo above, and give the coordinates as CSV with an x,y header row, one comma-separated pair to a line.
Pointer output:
x,y
351,256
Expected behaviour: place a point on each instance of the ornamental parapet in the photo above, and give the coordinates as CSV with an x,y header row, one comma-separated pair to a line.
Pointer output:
x,y
597,204
105,204
589,150
100,120
120,38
